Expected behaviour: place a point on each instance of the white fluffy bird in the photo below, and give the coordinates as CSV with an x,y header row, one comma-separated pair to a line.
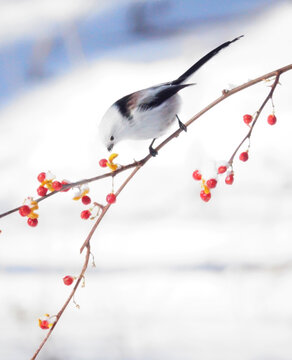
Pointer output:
x,y
148,113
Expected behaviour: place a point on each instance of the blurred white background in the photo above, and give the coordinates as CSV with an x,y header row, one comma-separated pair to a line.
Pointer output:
x,y
176,278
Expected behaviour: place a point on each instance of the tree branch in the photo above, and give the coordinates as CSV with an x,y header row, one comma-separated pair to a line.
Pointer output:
x,y
225,95
137,166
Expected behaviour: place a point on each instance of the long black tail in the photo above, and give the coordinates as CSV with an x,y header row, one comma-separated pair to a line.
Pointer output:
x,y
202,61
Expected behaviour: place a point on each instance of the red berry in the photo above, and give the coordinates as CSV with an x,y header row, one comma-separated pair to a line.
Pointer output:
x,y
211,183
68,280
272,119
86,200
57,185
247,119
41,176
32,222
222,169
103,162
111,198
205,197
41,190
24,210
197,175
243,156
65,182
85,214
44,324
229,179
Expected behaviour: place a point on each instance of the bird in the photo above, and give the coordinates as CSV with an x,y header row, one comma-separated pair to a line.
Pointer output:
x,y
148,113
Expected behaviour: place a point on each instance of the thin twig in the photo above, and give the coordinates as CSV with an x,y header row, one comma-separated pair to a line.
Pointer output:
x,y
105,209
248,135
58,316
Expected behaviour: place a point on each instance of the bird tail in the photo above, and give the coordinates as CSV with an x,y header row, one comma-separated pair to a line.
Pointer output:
x,y
202,61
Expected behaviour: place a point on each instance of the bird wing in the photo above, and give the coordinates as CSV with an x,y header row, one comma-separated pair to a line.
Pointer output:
x,y
146,99
157,95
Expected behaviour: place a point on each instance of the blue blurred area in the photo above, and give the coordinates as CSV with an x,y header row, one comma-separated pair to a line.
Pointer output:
x,y
28,61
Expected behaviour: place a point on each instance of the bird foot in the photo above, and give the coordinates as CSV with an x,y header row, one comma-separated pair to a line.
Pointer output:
x,y
152,151
181,124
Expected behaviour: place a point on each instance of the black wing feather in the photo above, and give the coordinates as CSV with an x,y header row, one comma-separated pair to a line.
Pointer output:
x,y
123,107
161,96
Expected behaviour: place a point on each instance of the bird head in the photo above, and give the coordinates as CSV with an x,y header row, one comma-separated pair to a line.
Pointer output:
x,y
111,128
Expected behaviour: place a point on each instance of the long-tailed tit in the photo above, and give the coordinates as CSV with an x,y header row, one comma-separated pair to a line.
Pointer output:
x,y
148,113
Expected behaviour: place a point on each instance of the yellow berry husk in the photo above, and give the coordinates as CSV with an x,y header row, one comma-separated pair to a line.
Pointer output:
x,y
113,167
33,215
206,189
112,157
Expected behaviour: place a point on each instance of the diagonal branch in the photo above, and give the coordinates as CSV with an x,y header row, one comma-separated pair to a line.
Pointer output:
x,y
225,95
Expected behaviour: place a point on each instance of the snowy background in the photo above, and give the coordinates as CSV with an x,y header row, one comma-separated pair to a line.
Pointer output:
x,y
176,278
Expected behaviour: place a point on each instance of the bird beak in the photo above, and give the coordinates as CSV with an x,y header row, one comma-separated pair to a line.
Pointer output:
x,y
110,147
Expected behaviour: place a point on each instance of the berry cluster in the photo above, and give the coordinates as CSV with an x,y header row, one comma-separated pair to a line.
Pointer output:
x,y
48,182
109,163
28,210
81,194
211,183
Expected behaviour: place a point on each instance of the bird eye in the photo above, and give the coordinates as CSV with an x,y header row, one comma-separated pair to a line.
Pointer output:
x,y
112,138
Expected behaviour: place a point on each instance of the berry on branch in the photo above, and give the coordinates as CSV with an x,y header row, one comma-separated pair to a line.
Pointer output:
x,y
42,177
65,182
272,119
47,321
111,198
86,200
243,156
247,119
85,214
222,169
103,162
197,175
24,210
229,179
68,280
205,196
32,222
44,324
42,191
211,183
57,185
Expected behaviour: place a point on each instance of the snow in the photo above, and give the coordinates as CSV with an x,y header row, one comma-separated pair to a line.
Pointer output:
x,y
176,278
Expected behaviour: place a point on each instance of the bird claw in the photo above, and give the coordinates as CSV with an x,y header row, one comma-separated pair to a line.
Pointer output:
x,y
152,151
182,126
